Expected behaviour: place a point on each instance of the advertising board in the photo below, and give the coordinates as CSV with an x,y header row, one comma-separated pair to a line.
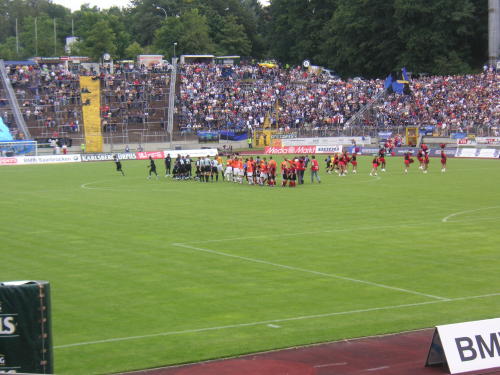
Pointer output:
x,y
192,153
108,156
464,347
326,141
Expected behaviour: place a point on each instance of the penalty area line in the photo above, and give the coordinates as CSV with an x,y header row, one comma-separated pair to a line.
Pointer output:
x,y
266,322
445,219
292,268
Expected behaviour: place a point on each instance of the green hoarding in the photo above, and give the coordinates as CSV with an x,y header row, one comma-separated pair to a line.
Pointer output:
x,y
25,328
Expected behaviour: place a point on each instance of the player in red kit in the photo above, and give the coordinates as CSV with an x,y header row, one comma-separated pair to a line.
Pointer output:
x,y
271,165
342,165
407,160
420,158
284,172
443,158
426,162
375,164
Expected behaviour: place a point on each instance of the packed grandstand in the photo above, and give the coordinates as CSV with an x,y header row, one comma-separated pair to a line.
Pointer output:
x,y
209,97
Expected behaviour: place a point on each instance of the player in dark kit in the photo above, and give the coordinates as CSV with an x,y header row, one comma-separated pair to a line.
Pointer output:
x,y
381,159
152,168
354,163
168,164
118,164
375,164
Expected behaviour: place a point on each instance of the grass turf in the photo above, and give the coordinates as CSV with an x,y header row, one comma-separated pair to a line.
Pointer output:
x,y
151,273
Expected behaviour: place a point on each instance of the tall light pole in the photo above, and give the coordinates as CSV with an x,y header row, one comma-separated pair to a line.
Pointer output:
x,y
164,11
36,37
175,44
493,32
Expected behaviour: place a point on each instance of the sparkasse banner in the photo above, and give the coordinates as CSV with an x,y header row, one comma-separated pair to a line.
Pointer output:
x,y
328,149
469,346
49,159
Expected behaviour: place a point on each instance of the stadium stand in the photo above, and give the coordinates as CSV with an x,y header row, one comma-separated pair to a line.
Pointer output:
x,y
134,102
316,103
49,98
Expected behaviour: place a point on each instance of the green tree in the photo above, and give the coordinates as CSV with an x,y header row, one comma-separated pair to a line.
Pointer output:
x,y
233,39
98,41
39,40
437,34
8,50
190,31
168,34
133,50
296,30
361,38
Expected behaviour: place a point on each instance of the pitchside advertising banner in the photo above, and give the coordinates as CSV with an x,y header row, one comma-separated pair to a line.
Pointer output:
x,y
488,141
25,328
43,159
464,347
108,156
192,153
303,150
326,141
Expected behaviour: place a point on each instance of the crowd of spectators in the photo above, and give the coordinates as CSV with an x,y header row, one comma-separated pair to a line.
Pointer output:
x,y
239,98
49,98
450,104
212,100
134,99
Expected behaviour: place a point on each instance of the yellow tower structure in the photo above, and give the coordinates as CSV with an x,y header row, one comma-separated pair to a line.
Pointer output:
x,y
91,109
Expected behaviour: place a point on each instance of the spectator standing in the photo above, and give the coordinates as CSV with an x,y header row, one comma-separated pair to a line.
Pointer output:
x,y
314,170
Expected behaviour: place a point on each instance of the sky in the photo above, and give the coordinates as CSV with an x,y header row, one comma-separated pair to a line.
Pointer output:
x,y
103,4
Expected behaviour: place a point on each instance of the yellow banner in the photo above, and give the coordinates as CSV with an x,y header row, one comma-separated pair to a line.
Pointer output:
x,y
91,107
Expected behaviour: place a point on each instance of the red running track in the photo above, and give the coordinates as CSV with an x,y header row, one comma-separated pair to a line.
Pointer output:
x,y
398,354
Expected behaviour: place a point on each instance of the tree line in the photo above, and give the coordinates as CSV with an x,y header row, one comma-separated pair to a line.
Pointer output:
x,y
366,38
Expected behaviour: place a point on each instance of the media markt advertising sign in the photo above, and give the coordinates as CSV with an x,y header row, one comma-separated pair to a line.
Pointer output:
x,y
25,328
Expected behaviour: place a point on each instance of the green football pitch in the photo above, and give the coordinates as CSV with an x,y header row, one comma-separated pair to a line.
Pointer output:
x,y
146,273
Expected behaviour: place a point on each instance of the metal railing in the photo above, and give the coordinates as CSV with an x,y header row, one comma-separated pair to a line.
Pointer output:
x,y
14,105
171,99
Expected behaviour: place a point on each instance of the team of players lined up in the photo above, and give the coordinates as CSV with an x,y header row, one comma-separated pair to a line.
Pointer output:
x,y
260,171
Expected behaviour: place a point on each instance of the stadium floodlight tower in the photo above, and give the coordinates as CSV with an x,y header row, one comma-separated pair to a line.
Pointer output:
x,y
493,32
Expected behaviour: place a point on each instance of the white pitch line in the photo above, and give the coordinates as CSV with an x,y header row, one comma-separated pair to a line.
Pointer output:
x,y
265,236
265,322
332,364
332,275
445,219
377,368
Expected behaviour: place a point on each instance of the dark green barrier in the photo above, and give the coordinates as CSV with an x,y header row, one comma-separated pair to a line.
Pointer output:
x,y
25,328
